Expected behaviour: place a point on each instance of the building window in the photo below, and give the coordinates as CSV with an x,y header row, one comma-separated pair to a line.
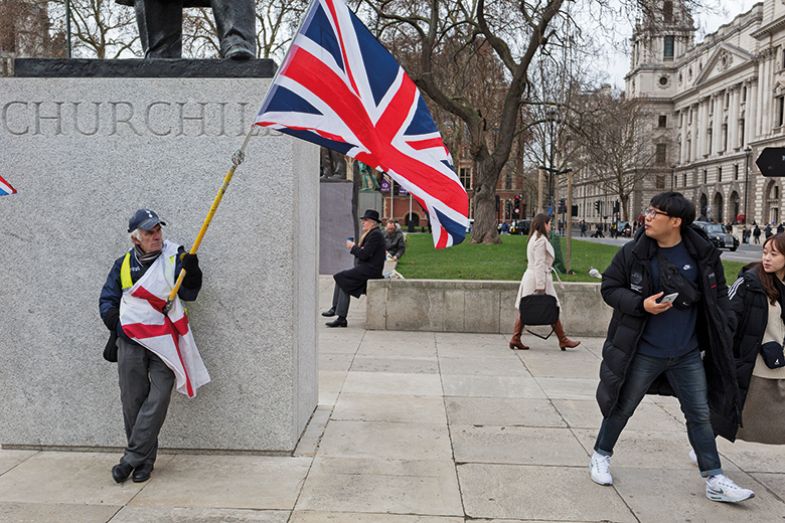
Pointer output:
x,y
780,109
465,173
508,182
744,94
689,150
684,176
705,176
727,99
667,11
719,174
662,122
741,132
659,183
662,154
668,47
664,81
736,171
724,137
709,136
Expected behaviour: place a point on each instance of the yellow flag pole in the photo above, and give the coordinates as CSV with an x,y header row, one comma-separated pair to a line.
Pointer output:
x,y
237,159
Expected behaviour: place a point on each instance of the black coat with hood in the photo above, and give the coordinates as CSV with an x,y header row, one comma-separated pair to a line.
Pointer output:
x,y
627,282
751,307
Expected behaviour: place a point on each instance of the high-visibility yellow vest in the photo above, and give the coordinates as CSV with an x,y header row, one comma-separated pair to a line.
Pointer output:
x,y
125,271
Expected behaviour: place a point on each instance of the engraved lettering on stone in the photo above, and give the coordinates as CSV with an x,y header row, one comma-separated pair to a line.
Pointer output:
x,y
7,125
148,122
126,120
222,118
57,118
96,119
241,112
184,118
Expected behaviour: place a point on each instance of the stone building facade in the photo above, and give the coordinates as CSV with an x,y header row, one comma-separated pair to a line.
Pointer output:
x,y
714,107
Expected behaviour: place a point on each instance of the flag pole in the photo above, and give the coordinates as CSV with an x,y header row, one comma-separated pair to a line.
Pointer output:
x,y
237,159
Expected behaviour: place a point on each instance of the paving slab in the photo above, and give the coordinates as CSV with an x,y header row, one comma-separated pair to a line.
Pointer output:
x,y
646,449
753,457
517,445
309,440
382,486
393,408
478,366
492,387
503,412
538,493
335,361
198,515
356,517
399,364
773,482
647,490
11,458
569,388
571,364
384,440
585,414
393,383
55,513
69,477
330,383
211,481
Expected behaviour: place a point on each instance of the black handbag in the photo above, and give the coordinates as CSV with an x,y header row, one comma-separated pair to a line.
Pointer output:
x,y
772,355
539,309
110,350
672,281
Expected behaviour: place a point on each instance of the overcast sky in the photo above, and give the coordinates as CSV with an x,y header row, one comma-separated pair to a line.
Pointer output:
x,y
720,12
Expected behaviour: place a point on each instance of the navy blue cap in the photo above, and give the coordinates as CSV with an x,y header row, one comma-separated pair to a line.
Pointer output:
x,y
144,219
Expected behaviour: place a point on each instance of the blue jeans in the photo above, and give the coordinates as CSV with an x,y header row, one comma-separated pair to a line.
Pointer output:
x,y
688,379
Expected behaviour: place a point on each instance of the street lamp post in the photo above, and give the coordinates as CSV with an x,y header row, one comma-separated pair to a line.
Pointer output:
x,y
748,154
68,27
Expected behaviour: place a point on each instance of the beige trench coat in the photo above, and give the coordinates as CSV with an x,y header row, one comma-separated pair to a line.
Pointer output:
x,y
538,274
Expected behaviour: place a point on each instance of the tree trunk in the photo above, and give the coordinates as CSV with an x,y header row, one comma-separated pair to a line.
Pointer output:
x,y
624,200
485,230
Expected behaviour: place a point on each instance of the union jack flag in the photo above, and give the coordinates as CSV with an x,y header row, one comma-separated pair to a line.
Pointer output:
x,y
338,87
6,188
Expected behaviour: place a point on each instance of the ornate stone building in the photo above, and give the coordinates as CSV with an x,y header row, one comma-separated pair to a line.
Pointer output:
x,y
714,107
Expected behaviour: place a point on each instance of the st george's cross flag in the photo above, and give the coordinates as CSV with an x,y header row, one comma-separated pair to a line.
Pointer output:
x,y
6,188
338,87
168,336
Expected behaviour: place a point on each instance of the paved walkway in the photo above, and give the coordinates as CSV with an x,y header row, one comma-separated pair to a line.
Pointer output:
x,y
420,428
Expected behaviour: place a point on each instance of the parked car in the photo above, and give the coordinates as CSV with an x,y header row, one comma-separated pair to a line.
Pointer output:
x,y
520,226
719,237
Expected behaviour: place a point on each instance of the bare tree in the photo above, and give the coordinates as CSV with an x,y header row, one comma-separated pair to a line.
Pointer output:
x,y
25,30
99,28
616,147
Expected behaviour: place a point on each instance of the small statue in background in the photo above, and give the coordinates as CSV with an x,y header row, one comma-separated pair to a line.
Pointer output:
x,y
160,24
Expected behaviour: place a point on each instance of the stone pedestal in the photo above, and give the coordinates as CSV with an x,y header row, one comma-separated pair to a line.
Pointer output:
x,y
335,225
86,144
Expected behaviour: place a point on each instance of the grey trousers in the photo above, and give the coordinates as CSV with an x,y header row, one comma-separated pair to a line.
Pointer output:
x,y
340,301
145,390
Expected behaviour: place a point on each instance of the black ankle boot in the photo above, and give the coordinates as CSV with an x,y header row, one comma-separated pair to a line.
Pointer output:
x,y
340,321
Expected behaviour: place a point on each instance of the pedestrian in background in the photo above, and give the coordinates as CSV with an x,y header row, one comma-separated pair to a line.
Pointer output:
x,y
756,233
758,299
538,279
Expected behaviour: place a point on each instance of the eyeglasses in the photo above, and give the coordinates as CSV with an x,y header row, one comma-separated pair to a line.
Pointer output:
x,y
651,212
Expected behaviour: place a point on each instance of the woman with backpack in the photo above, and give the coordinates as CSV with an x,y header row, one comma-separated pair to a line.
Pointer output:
x,y
758,300
538,279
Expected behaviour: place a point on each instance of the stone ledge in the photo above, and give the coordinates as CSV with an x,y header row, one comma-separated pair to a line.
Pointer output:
x,y
482,306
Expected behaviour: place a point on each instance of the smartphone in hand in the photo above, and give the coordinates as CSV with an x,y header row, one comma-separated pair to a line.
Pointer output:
x,y
669,298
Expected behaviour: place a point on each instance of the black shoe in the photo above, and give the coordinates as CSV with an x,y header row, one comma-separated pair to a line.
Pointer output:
x,y
142,473
239,53
340,321
121,471
329,314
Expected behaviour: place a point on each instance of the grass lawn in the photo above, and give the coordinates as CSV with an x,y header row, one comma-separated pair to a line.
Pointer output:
x,y
505,261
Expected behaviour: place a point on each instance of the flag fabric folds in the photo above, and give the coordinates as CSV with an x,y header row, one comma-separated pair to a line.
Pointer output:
x,y
338,87
6,188
168,336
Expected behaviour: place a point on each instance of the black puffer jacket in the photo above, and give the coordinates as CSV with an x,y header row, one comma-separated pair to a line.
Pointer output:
x,y
751,307
627,282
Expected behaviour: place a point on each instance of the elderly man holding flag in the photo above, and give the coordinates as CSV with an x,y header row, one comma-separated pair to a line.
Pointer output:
x,y
153,346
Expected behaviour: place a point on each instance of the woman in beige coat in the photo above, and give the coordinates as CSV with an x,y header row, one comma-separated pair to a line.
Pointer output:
x,y
538,279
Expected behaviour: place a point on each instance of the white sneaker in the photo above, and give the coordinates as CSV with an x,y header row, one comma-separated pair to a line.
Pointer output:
x,y
722,488
693,457
600,469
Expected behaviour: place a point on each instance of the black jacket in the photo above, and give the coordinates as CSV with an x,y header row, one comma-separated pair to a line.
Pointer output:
x,y
751,307
626,283
369,257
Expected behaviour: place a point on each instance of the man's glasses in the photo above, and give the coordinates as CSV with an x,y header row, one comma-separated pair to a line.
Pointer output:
x,y
651,212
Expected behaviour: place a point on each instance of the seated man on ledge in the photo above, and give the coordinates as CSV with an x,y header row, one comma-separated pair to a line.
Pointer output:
x,y
369,254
